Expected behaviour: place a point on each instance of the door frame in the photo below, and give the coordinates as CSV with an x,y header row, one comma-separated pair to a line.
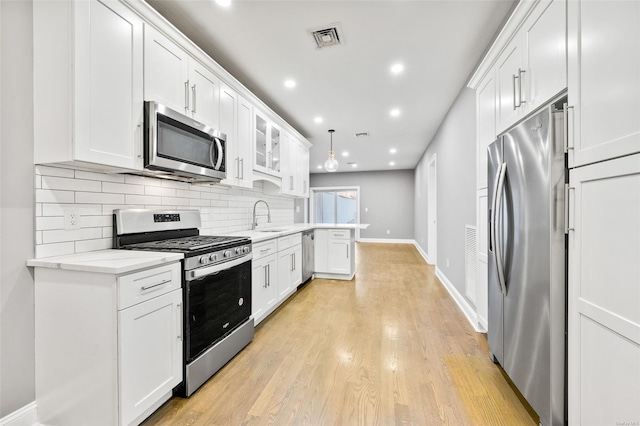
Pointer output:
x,y
432,211
312,191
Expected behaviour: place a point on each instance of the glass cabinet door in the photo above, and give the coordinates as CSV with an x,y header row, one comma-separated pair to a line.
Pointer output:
x,y
275,149
261,141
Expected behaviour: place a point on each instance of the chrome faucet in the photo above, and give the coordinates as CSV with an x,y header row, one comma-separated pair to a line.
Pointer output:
x,y
255,220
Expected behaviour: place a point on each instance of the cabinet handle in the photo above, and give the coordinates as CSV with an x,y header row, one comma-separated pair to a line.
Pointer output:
x,y
567,191
520,101
267,250
242,168
291,183
565,111
147,287
266,279
186,95
179,306
237,167
268,275
347,251
193,93
514,91
139,145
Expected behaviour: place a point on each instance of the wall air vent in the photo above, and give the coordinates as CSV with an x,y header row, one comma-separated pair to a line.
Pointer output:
x,y
328,35
362,134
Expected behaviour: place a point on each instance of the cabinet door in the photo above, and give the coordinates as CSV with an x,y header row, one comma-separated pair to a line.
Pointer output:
x,y
304,172
604,292
166,71
204,94
285,272
339,256
296,274
261,141
604,80
546,53
244,144
228,108
509,85
264,278
273,158
108,95
150,346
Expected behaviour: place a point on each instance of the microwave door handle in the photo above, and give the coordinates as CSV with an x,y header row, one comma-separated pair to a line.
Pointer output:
x,y
220,154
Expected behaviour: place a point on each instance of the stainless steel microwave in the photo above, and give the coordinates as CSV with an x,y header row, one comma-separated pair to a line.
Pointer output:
x,y
181,146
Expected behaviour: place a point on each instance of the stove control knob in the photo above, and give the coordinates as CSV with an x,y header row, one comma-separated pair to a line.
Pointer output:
x,y
238,250
213,257
227,253
245,249
204,259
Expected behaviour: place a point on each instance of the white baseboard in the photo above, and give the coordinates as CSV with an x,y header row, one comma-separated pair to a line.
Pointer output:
x,y
464,306
25,416
424,255
385,240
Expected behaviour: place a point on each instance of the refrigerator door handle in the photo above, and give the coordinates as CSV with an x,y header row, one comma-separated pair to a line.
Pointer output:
x,y
497,250
492,212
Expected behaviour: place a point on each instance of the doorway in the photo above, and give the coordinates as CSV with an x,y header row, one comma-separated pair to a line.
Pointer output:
x,y
335,205
432,210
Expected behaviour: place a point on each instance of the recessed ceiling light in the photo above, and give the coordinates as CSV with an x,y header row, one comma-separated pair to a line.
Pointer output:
x,y
318,120
224,3
345,154
397,68
290,83
392,163
394,112
393,151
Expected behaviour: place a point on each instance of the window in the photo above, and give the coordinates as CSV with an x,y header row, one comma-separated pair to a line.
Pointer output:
x,y
335,205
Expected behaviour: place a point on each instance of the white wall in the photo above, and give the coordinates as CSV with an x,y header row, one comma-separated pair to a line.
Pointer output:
x,y
455,147
388,196
17,375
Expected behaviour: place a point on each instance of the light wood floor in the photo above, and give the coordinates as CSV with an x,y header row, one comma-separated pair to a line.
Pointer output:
x,y
389,347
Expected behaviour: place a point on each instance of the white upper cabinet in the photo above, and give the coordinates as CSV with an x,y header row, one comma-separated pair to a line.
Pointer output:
x,y
486,125
604,80
533,67
88,110
267,149
236,122
175,79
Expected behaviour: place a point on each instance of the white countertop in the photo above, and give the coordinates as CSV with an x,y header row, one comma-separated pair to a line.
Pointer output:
x,y
107,261
266,232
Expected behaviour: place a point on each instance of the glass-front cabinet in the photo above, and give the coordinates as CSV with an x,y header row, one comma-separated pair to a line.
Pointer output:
x,y
267,148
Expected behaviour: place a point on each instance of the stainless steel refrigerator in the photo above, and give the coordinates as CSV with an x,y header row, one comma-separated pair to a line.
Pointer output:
x,y
527,260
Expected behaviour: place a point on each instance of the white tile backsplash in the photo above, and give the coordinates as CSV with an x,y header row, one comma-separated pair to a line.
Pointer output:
x,y
95,195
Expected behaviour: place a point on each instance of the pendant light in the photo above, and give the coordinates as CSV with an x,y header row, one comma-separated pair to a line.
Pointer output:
x,y
331,165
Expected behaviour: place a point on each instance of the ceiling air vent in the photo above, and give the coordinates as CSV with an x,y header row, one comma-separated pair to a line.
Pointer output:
x,y
329,35
362,134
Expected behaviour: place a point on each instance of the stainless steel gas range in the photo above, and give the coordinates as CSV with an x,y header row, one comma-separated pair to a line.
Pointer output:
x,y
216,283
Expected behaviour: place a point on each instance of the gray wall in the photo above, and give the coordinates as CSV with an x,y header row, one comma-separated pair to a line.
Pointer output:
x,y
388,196
455,147
17,341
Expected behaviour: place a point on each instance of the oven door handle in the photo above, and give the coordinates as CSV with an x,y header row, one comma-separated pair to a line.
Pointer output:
x,y
210,270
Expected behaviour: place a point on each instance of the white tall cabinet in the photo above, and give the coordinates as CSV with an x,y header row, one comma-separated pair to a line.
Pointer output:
x,y
87,84
604,240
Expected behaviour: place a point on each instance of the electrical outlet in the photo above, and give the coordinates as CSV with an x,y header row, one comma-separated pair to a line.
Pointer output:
x,y
71,219
388,231
366,209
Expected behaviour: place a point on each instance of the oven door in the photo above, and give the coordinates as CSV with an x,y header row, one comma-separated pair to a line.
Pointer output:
x,y
217,300
181,145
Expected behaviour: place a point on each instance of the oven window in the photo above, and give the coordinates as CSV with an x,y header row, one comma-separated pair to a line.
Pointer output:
x,y
216,304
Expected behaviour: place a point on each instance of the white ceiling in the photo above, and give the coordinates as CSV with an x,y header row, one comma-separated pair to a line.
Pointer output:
x,y
264,42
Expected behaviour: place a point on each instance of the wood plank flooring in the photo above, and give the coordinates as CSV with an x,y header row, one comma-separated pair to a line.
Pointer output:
x,y
387,348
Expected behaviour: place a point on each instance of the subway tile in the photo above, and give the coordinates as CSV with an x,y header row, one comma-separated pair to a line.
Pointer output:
x,y
166,183
49,222
142,180
99,198
54,171
38,209
160,191
50,196
62,235
122,188
107,232
38,182
93,245
107,209
210,195
68,184
38,236
58,249
96,221
103,177
143,199
59,209
195,202
185,193
175,201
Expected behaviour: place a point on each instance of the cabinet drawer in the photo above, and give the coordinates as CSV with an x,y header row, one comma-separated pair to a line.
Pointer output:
x,y
265,248
144,285
289,241
340,234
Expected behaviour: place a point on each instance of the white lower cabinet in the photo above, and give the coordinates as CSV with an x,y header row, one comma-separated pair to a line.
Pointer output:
x,y
289,265
334,253
108,348
604,293
264,278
